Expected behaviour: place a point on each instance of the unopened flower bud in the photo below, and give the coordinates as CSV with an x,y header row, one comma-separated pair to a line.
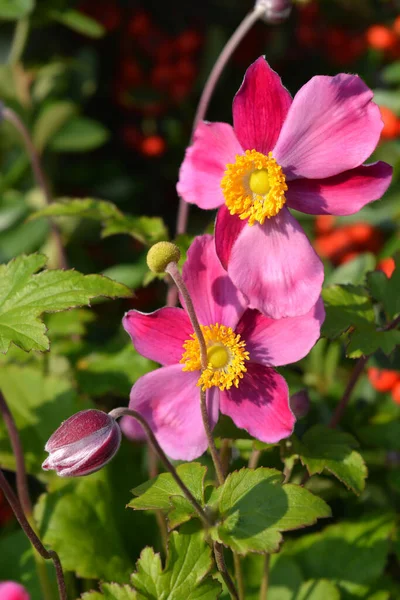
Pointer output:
x,y
161,254
300,404
84,443
274,11
10,590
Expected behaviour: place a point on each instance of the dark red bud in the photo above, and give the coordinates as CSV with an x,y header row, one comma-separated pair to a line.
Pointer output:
x,y
274,11
84,443
10,590
300,404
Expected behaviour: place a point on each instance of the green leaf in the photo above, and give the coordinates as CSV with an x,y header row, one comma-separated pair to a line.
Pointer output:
x,y
80,134
353,271
24,296
391,73
255,507
147,230
318,590
112,591
38,403
388,98
15,9
387,290
367,340
79,22
324,448
163,493
188,562
111,372
77,520
50,120
354,551
346,306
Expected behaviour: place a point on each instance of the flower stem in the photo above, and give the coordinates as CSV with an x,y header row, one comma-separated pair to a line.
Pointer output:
x,y
238,575
12,117
153,472
265,579
226,53
220,561
19,41
120,412
22,483
341,407
172,269
35,541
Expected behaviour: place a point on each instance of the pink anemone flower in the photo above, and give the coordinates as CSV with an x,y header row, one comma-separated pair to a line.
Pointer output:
x,y
243,346
305,154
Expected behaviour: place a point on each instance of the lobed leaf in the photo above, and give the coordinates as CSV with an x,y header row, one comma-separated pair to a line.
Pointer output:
x,y
24,296
346,306
255,507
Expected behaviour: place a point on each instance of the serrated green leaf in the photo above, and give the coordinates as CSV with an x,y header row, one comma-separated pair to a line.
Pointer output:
x,y
147,230
324,448
354,551
188,563
24,296
79,22
387,290
255,507
367,340
354,271
80,134
15,9
50,120
163,493
346,306
112,591
355,591
38,403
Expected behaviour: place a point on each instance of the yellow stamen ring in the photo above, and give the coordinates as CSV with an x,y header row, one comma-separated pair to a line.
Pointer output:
x,y
226,355
254,187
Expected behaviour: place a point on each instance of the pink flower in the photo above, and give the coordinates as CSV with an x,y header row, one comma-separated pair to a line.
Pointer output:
x,y
10,590
305,154
243,346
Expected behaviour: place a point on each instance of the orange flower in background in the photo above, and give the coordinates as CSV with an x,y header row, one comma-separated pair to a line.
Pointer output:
x,y
391,127
344,243
381,37
387,265
153,145
383,380
396,392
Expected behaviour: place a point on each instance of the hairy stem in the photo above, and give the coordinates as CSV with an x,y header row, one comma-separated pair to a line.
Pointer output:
x,y
265,579
12,117
239,576
153,472
120,412
34,539
211,443
220,561
341,407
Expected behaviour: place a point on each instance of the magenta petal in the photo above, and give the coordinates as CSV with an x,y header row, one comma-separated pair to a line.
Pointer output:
x,y
343,194
10,590
214,146
170,401
159,335
276,342
260,404
260,107
332,126
276,268
227,229
215,298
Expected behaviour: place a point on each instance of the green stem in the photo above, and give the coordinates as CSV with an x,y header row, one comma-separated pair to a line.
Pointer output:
x,y
19,41
220,561
265,579
239,575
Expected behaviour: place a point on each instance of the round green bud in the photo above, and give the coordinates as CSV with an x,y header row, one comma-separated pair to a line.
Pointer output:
x,y
161,254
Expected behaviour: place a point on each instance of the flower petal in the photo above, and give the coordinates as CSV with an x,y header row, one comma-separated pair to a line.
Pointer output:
x,y
215,298
260,404
276,342
169,399
276,268
159,335
227,229
332,126
214,146
260,107
343,194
